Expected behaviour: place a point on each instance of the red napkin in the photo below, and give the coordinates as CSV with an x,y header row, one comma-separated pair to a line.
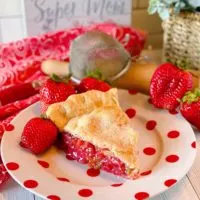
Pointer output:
x,y
20,63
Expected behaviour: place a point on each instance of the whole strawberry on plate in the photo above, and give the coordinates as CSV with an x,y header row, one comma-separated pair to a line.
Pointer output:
x,y
90,83
190,107
55,89
93,81
168,85
38,135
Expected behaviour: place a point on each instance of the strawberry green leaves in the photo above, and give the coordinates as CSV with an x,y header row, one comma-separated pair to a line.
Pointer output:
x,y
191,97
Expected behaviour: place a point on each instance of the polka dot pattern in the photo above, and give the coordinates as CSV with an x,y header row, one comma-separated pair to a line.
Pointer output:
x,y
149,151
12,166
146,173
173,112
173,134
117,184
44,164
85,193
9,127
53,197
172,158
30,184
63,179
93,172
130,112
141,195
170,182
151,124
193,145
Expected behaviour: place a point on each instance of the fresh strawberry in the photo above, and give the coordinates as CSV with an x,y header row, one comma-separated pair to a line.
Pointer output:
x,y
87,84
38,135
190,107
55,90
4,176
103,86
168,85
90,83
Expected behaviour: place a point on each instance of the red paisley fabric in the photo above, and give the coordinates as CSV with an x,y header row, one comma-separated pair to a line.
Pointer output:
x,y
20,61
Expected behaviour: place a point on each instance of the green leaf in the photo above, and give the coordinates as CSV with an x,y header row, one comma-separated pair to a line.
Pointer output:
x,y
197,92
153,4
163,11
191,96
170,2
162,6
43,116
59,79
56,78
194,3
152,10
96,74
183,64
178,6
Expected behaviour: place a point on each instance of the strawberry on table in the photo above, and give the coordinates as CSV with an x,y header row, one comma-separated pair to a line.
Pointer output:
x,y
190,107
168,85
56,90
38,135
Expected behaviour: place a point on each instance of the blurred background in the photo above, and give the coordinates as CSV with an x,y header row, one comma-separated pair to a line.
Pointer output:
x,y
11,21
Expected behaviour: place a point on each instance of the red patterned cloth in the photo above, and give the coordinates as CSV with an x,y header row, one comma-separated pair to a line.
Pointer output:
x,y
20,61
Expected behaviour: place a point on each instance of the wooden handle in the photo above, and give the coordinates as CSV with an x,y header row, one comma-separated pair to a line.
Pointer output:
x,y
196,78
138,77
59,68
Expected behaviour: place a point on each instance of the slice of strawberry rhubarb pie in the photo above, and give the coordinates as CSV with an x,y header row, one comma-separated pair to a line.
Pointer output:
x,y
95,131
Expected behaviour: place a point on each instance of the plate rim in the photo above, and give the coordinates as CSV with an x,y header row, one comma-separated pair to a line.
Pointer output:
x,y
12,173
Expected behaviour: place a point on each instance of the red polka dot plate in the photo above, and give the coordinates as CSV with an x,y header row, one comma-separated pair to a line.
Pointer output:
x,y
167,150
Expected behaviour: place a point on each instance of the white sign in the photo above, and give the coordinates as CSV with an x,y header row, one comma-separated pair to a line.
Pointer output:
x,y
47,15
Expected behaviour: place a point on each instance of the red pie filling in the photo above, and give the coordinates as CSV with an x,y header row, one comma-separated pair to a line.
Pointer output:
x,y
87,153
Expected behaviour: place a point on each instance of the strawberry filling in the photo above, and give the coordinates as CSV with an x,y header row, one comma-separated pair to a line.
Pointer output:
x,y
87,153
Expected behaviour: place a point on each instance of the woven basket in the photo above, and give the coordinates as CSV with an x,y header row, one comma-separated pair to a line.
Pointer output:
x,y
182,38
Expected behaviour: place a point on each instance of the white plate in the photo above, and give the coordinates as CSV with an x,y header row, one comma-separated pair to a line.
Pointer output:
x,y
166,154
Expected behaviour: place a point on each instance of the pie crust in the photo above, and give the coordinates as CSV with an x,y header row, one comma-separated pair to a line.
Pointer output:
x,y
97,117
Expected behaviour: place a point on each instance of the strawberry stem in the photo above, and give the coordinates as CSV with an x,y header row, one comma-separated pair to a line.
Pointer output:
x,y
58,79
191,96
182,64
96,74
43,116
